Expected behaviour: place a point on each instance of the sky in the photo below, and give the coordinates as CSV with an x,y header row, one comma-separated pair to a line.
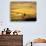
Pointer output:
x,y
31,30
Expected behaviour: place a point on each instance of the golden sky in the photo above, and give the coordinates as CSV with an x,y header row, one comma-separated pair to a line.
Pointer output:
x,y
28,8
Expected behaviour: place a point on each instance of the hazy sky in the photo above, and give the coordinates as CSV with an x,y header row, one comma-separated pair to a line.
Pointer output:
x,y
31,29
